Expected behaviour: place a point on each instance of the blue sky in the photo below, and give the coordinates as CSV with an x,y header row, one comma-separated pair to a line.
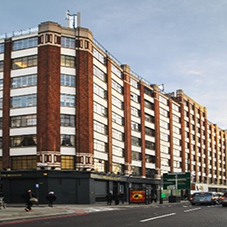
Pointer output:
x,y
179,43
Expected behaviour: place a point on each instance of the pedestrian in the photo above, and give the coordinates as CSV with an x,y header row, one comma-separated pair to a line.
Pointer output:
x,y
109,198
122,197
28,196
153,198
51,197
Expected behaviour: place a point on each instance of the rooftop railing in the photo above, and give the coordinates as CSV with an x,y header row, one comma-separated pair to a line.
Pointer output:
x,y
117,61
19,33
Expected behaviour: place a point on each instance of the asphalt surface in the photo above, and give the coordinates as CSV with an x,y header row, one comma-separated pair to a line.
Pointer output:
x,y
14,212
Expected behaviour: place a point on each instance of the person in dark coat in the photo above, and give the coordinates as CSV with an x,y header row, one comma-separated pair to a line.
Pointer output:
x,y
109,198
27,196
153,198
51,197
122,197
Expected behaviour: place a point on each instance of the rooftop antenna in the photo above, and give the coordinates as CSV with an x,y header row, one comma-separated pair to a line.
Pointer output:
x,y
161,87
72,17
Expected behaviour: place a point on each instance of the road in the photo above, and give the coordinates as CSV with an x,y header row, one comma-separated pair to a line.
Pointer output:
x,y
170,215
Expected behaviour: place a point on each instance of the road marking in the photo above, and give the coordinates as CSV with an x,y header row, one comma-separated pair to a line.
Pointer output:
x,y
192,209
162,216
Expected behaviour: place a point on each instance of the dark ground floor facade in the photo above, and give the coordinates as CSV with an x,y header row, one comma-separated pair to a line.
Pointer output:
x,y
71,187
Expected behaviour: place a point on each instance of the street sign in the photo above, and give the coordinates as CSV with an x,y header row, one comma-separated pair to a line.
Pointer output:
x,y
177,180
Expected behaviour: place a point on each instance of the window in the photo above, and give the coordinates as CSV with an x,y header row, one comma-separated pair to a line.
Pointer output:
x,y
176,164
176,130
67,80
117,135
67,100
68,61
99,109
117,168
1,100
176,141
24,81
175,107
136,156
117,86
25,43
0,142
116,71
67,162
134,97
149,131
24,162
0,122
100,91
164,112
149,145
117,119
165,149
135,126
98,55
134,83
68,140
2,47
99,73
176,118
164,124
23,121
67,120
100,146
100,165
24,62
148,105
149,118
163,100
150,158
117,102
136,171
68,42
150,173
118,151
23,141
148,91
165,162
136,141
135,112
176,153
1,84
1,66
100,128
164,137
23,101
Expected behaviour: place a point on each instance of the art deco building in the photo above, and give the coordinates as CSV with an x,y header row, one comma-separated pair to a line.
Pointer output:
x,y
75,120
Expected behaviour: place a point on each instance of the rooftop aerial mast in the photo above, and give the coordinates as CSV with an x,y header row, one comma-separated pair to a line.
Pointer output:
x,y
71,19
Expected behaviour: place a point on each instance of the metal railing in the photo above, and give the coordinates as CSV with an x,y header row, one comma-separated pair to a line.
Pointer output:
x,y
19,33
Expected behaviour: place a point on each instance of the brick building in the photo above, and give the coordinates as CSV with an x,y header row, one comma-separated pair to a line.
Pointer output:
x,y
75,120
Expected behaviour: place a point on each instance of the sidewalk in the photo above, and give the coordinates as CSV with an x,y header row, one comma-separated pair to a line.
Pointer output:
x,y
15,212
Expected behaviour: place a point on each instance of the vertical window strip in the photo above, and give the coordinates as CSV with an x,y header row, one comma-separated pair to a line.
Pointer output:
x,y
2,48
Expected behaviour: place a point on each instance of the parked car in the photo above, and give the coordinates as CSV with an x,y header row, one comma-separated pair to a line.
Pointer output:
x,y
220,195
224,199
208,198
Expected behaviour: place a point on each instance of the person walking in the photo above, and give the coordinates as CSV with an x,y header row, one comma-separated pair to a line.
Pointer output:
x,y
154,198
27,199
109,198
122,197
51,197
